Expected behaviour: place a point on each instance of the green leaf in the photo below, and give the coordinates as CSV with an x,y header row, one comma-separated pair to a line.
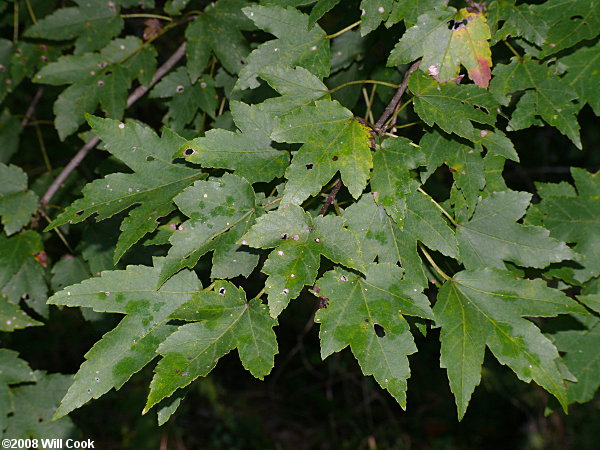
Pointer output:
x,y
103,78
295,45
186,97
320,9
93,23
373,13
146,154
576,219
298,87
299,240
34,406
446,40
493,235
392,179
218,30
519,20
468,104
546,96
379,236
569,23
248,152
583,75
412,10
220,211
582,358
132,344
21,275
333,141
10,129
17,204
486,308
228,321
366,314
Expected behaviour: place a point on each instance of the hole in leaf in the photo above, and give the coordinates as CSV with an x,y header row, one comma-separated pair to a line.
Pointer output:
x,y
188,152
576,17
150,158
40,419
309,166
379,330
222,291
481,108
285,236
179,89
335,158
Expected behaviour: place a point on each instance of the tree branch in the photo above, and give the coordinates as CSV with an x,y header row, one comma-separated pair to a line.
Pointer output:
x,y
32,106
331,197
134,97
391,107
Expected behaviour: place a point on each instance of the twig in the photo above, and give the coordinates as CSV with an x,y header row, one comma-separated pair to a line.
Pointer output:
x,y
134,97
32,106
331,197
391,107
348,28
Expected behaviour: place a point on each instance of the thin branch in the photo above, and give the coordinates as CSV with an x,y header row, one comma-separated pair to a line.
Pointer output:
x,y
146,16
32,106
134,97
391,107
331,197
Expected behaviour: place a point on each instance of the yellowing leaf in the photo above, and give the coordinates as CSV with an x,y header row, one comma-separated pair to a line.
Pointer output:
x,y
445,42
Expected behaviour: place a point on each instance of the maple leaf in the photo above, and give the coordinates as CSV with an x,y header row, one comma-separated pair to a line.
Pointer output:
x,y
146,154
392,179
546,96
486,307
298,87
103,78
132,344
33,405
333,141
93,23
299,240
21,275
519,20
575,217
379,236
248,152
296,44
582,358
227,321
367,315
468,104
583,23
187,97
583,75
17,204
411,11
218,30
492,235
220,211
445,40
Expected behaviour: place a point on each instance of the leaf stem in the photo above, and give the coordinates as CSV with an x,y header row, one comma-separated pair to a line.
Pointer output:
x,y
146,16
261,293
30,10
444,212
272,202
513,50
349,83
432,262
15,22
209,287
348,28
